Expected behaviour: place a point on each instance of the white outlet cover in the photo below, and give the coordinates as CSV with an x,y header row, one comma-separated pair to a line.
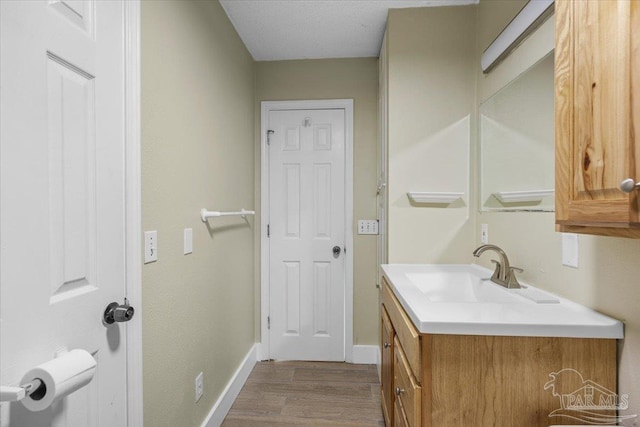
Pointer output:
x,y
188,241
150,246
570,250
484,233
199,386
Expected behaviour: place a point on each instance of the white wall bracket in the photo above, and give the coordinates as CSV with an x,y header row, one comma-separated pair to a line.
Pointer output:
x,y
434,197
205,214
530,196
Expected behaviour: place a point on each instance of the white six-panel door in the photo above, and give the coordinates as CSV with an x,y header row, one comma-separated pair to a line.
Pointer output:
x,y
307,221
62,210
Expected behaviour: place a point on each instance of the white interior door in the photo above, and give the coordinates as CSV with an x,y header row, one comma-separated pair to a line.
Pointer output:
x,y
62,214
307,234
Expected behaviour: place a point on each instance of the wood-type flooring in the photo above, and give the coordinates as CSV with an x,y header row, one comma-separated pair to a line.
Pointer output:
x,y
287,394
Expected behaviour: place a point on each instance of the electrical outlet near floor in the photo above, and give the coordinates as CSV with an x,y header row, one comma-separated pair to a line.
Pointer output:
x,y
199,386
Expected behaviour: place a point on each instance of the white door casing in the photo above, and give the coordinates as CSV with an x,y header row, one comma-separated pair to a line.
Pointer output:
x,y
67,213
307,291
382,193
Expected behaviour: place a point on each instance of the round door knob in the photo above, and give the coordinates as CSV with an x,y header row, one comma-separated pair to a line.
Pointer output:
x,y
628,185
336,251
118,312
386,345
399,391
123,313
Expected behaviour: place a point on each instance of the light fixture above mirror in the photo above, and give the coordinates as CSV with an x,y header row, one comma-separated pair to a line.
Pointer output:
x,y
532,15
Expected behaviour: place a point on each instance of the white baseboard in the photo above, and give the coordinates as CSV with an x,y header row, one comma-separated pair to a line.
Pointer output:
x,y
366,354
261,352
228,396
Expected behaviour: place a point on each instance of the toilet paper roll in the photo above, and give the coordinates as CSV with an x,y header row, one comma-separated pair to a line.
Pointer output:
x,y
61,377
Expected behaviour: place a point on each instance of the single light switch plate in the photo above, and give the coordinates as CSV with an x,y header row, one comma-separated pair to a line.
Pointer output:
x,y
367,226
484,234
150,246
188,240
570,250
199,386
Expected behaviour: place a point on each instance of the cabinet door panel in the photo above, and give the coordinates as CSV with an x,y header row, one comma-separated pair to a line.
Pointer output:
x,y
407,390
387,367
596,112
635,99
400,418
601,101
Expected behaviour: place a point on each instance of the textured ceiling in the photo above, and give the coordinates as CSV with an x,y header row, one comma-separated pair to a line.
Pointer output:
x,y
300,29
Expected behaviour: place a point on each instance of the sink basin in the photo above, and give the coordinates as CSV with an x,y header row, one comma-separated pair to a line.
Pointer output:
x,y
460,299
457,287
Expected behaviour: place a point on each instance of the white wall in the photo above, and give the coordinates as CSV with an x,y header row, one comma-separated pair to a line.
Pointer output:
x,y
431,105
197,151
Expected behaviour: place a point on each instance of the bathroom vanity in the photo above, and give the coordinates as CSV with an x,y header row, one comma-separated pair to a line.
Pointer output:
x,y
459,350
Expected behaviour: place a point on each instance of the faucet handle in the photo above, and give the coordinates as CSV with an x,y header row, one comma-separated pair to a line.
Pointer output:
x,y
512,280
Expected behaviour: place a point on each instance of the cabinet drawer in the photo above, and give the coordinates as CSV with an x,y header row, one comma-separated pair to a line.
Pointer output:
x,y
406,333
406,389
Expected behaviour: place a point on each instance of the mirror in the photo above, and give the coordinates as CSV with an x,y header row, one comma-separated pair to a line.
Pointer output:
x,y
517,143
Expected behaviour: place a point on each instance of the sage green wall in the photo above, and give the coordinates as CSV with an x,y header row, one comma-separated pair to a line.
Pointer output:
x,y
197,151
332,79
608,275
431,102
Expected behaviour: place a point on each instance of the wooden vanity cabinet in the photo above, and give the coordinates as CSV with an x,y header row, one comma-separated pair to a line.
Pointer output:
x,y
388,337
597,108
443,380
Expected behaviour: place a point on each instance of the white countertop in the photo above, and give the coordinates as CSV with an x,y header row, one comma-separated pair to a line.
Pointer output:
x,y
459,299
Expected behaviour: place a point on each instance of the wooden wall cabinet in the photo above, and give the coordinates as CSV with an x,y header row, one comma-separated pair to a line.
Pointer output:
x,y
473,380
597,96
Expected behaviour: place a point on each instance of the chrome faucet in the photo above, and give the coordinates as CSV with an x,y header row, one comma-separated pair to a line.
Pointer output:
x,y
503,274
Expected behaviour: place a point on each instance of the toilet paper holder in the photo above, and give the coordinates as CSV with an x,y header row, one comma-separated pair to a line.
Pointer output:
x,y
50,381
36,389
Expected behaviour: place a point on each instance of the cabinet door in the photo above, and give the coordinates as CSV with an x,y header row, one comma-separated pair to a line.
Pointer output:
x,y
387,367
597,110
408,392
399,417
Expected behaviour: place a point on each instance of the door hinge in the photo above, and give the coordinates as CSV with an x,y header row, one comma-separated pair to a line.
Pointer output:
x,y
269,133
268,322
268,230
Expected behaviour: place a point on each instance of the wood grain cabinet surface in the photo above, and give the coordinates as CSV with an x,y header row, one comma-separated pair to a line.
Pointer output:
x,y
476,380
597,97
388,337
